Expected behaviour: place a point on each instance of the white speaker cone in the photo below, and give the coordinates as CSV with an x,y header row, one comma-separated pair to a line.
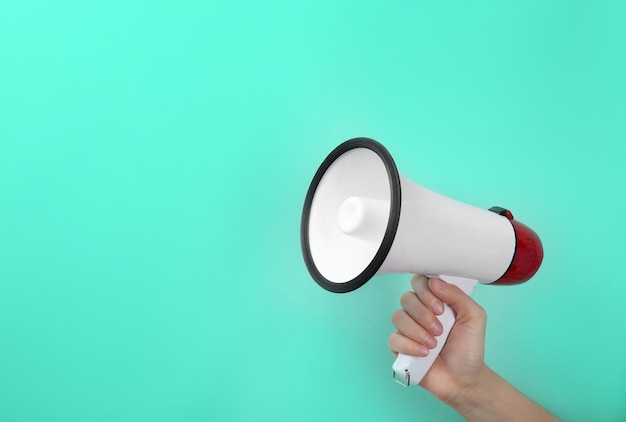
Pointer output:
x,y
365,218
351,214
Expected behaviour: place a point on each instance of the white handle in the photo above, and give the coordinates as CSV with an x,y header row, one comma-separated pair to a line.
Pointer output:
x,y
411,369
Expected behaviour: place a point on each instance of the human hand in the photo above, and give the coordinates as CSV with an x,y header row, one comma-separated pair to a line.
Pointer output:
x,y
458,367
459,376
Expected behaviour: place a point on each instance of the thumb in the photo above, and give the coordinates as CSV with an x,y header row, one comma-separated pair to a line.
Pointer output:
x,y
466,309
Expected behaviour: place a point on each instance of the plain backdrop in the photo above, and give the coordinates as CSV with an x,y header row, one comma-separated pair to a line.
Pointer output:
x,y
155,155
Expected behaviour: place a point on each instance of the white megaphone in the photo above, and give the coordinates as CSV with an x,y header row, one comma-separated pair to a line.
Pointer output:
x,y
362,218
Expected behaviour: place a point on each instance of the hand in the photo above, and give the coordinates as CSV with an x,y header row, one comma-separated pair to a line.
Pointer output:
x,y
458,366
459,376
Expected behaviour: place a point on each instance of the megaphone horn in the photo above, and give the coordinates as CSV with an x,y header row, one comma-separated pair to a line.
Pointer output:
x,y
362,218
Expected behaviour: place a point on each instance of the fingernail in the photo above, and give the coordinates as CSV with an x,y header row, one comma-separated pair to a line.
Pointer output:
x,y
436,328
431,342
437,307
421,351
436,284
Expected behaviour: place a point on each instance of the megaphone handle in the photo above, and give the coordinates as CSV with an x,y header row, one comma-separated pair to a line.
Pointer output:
x,y
411,369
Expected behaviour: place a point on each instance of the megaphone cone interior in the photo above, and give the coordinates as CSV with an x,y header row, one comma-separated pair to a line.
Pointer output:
x,y
351,215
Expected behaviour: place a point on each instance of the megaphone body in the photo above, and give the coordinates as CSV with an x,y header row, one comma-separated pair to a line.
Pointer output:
x,y
362,218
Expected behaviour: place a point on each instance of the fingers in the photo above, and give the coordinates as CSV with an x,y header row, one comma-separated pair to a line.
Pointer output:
x,y
408,327
419,283
467,310
401,344
420,313
417,322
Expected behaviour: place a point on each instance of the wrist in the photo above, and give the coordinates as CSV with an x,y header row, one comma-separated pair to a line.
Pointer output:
x,y
475,395
490,398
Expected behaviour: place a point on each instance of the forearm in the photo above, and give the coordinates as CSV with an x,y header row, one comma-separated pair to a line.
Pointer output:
x,y
494,399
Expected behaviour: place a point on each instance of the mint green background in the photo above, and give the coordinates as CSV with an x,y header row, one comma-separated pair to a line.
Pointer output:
x,y
154,158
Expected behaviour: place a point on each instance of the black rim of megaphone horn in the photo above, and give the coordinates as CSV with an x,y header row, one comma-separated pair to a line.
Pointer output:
x,y
392,223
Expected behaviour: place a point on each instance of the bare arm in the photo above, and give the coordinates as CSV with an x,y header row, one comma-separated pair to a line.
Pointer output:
x,y
494,399
459,376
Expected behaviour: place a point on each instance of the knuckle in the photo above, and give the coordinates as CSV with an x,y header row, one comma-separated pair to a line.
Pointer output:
x,y
481,312
418,281
392,342
397,316
406,299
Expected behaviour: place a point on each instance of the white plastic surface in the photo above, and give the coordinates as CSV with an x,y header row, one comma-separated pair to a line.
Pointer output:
x,y
365,218
413,368
439,235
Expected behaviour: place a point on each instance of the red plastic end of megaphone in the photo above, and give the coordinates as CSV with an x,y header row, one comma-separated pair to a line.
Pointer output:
x,y
527,258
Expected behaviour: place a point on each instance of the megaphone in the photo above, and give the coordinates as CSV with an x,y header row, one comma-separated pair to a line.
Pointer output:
x,y
362,218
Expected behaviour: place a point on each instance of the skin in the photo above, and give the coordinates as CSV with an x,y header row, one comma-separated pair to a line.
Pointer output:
x,y
459,376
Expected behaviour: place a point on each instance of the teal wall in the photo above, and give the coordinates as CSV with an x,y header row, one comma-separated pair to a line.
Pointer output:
x,y
154,158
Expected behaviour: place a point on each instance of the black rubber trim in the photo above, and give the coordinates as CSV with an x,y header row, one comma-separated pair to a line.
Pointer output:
x,y
392,224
